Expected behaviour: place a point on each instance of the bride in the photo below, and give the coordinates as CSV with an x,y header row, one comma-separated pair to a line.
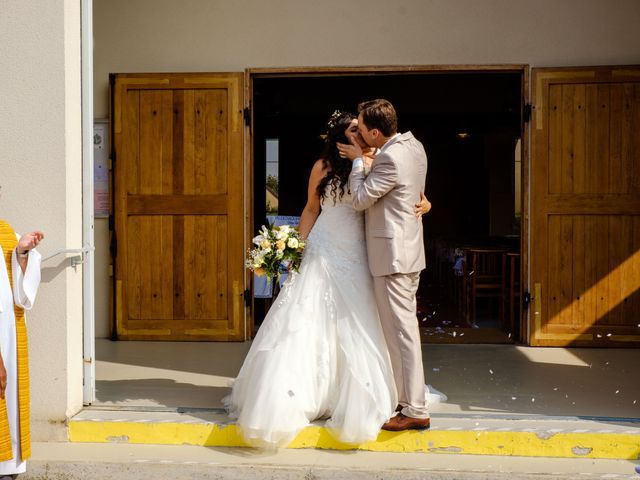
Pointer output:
x,y
320,352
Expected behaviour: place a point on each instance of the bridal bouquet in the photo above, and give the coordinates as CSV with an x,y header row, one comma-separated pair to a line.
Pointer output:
x,y
275,247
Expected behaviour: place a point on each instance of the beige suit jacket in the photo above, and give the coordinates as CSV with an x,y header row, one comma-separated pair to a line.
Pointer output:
x,y
388,196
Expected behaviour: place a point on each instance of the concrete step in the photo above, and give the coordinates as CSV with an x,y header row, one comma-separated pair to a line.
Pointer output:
x,y
496,435
73,461
69,461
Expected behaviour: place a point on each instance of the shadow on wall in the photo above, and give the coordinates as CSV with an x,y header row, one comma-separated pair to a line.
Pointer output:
x,y
50,273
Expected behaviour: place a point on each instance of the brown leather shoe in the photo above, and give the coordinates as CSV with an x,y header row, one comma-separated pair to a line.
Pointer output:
x,y
402,422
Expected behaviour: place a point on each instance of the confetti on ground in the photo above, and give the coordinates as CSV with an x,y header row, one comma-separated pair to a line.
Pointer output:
x,y
514,398
436,369
533,399
491,371
555,389
617,392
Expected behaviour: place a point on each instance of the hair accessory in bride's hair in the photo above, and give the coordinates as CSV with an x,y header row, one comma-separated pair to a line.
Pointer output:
x,y
331,123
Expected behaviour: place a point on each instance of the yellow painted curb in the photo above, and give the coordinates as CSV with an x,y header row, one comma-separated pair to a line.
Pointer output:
x,y
621,446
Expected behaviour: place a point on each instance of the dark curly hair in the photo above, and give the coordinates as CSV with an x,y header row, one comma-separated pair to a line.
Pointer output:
x,y
337,168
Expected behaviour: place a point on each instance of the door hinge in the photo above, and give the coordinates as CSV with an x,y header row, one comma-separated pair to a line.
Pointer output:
x,y
526,300
247,297
113,245
526,113
247,115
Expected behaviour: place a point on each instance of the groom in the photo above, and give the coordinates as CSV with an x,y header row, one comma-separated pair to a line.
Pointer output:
x,y
395,246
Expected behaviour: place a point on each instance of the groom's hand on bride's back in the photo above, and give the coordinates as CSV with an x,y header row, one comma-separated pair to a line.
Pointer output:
x,y
350,151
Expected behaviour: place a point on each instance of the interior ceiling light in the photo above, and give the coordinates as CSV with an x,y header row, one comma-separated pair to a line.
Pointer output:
x,y
462,135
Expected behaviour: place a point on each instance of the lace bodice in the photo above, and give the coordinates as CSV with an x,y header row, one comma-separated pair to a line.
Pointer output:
x,y
338,234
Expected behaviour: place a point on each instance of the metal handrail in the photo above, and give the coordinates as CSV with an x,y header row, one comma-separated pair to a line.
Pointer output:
x,y
82,251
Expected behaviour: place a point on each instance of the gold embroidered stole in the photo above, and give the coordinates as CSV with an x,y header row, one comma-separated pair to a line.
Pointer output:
x,y
8,241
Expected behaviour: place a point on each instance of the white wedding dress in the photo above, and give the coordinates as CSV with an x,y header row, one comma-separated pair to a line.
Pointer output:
x,y
320,352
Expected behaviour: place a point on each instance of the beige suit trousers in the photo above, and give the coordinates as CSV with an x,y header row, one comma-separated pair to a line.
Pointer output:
x,y
396,298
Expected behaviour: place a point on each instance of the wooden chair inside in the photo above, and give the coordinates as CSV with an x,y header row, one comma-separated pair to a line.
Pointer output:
x,y
483,279
510,290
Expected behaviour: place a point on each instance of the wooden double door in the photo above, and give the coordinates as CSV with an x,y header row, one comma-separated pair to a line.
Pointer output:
x,y
179,183
179,206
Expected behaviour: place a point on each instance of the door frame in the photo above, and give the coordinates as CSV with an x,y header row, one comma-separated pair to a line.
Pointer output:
x,y
523,69
88,241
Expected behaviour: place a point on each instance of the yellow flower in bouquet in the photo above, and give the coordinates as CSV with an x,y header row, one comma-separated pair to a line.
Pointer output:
x,y
276,248
265,244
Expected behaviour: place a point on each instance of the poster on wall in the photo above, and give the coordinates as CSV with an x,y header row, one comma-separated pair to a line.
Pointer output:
x,y
101,168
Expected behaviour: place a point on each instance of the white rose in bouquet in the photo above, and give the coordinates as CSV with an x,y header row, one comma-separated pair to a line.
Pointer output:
x,y
257,240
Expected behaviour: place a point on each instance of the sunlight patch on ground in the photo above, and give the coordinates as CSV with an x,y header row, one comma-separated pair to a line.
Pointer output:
x,y
109,371
557,356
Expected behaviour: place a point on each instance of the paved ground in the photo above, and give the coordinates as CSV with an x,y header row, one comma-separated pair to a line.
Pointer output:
x,y
533,394
478,379
140,462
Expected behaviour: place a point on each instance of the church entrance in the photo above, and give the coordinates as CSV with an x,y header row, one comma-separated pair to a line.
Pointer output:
x,y
471,122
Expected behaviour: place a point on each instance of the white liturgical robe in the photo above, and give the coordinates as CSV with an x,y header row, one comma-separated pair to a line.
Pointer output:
x,y
23,293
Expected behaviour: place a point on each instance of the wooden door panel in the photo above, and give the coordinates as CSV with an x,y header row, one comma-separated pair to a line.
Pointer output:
x,y
208,173
593,270
150,269
179,203
585,222
205,289
154,140
131,150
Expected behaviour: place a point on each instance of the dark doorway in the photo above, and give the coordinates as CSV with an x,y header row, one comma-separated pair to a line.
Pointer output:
x,y
470,124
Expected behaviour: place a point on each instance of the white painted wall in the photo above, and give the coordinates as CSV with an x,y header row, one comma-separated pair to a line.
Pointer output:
x,y
225,35
40,174
222,35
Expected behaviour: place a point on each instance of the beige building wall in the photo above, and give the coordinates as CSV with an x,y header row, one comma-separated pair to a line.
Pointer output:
x,y
225,35
40,165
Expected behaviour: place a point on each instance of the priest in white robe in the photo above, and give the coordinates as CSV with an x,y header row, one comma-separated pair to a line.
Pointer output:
x,y
19,281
